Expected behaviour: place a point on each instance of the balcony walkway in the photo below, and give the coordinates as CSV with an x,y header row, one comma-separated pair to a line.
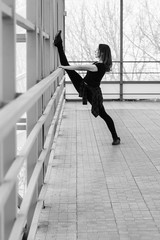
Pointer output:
x,y
96,191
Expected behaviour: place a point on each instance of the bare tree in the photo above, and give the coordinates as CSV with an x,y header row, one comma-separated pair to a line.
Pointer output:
x,y
100,22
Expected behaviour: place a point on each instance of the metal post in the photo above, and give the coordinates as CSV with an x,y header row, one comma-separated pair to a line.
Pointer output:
x,y
1,99
41,40
32,77
7,94
51,37
1,67
40,102
47,94
121,50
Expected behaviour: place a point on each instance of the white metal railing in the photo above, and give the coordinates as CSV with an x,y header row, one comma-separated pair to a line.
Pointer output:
x,y
42,104
9,115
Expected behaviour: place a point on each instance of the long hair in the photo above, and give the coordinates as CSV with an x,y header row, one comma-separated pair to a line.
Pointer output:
x,y
105,55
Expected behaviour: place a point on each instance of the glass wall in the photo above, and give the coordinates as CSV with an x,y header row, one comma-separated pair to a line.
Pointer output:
x,y
136,25
141,35
21,49
89,23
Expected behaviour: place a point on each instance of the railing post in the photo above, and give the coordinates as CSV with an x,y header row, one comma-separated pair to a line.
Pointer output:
x,y
55,28
41,38
7,94
1,159
12,224
32,77
61,15
40,76
121,50
60,24
47,94
1,68
51,26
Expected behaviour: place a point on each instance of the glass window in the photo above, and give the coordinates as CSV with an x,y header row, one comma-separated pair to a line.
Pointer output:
x,y
89,23
141,40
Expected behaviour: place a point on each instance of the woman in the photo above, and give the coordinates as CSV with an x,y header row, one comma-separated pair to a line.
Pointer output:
x,y
89,86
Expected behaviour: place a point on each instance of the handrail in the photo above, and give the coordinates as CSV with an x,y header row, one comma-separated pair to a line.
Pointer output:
x,y
24,23
104,82
20,221
6,10
21,21
12,173
14,110
20,37
116,61
42,103
40,202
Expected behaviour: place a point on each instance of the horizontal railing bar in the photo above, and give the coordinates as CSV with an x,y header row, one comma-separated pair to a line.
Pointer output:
x,y
141,82
24,23
22,120
35,131
140,72
19,224
114,61
6,10
131,94
40,201
74,94
9,181
20,21
21,37
111,73
118,73
141,93
104,81
10,114
140,61
21,127
12,173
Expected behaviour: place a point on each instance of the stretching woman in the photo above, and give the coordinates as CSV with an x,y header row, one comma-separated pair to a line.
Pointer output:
x,y
89,86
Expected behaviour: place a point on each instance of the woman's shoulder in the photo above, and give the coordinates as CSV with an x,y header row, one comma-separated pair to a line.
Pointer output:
x,y
100,65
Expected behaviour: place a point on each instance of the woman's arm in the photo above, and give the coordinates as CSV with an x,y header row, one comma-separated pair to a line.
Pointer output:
x,y
87,67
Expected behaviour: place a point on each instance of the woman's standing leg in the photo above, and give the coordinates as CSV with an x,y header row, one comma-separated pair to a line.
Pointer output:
x,y
108,120
73,75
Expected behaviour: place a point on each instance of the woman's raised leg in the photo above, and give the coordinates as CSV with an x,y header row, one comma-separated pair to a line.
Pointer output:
x,y
73,75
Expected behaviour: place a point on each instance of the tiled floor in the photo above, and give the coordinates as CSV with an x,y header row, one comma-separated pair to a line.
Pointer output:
x,y
97,191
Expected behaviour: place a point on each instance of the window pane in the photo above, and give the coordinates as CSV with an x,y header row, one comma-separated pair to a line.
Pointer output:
x,y
141,40
89,23
21,7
